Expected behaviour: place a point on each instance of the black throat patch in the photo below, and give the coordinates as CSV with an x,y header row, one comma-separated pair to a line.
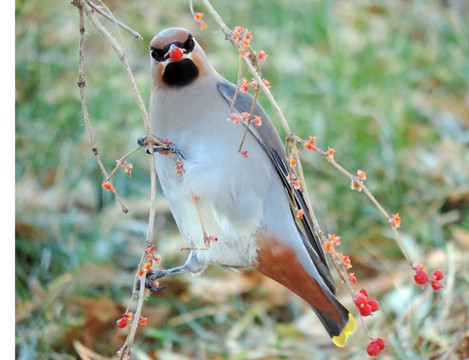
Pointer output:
x,y
180,73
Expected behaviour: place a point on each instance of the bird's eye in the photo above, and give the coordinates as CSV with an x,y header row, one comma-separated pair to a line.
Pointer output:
x,y
189,45
157,54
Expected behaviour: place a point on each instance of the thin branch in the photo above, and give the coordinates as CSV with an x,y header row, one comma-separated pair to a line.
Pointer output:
x,y
293,140
257,77
89,9
127,348
120,53
375,202
240,77
121,162
249,121
111,18
86,116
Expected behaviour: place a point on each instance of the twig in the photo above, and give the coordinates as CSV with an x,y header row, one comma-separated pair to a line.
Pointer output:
x,y
252,69
249,121
120,53
293,140
111,18
240,77
86,116
121,161
86,7
127,348
375,202
257,77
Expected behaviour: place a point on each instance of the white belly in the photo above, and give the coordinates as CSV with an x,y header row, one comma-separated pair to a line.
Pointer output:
x,y
230,205
231,188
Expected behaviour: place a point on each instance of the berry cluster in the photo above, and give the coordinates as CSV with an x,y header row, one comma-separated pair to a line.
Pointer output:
x,y
244,85
150,260
375,347
421,277
122,322
242,37
198,19
310,144
294,181
365,305
244,118
329,247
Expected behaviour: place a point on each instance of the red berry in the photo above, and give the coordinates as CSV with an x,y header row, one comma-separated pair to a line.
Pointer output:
x,y
421,277
176,53
122,323
360,301
381,343
437,275
365,310
373,348
363,291
374,305
436,284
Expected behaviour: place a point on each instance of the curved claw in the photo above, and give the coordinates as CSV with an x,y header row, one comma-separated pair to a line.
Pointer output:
x,y
141,141
154,275
156,288
150,281
151,286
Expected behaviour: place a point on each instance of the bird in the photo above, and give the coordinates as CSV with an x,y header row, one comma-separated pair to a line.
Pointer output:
x,y
235,210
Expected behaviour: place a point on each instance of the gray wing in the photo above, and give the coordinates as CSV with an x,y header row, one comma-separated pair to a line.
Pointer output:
x,y
270,141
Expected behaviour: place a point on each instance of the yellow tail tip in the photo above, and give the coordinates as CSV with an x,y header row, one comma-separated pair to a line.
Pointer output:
x,y
349,328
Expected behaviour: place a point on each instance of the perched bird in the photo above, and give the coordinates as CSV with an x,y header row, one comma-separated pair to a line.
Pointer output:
x,y
214,192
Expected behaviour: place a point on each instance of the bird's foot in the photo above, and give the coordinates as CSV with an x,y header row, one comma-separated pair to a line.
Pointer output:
x,y
151,282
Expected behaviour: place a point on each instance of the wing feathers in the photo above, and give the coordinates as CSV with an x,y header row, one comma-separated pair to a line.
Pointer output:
x,y
270,141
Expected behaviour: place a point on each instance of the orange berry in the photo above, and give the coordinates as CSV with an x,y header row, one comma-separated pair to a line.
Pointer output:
x,y
300,214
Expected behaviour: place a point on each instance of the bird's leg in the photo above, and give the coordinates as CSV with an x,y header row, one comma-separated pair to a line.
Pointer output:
x,y
208,239
152,277
192,265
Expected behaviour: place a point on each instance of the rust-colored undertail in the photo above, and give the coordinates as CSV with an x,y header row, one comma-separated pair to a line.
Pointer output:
x,y
280,263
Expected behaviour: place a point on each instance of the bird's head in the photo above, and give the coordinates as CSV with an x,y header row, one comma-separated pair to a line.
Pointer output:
x,y
177,59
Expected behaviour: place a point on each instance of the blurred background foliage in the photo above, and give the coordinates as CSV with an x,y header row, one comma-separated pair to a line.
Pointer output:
x,y
384,83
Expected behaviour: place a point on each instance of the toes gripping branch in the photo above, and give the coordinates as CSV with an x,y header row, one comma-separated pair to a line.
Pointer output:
x,y
160,146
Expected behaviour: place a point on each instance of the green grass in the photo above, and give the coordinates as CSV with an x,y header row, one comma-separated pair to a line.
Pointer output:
x,y
385,84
